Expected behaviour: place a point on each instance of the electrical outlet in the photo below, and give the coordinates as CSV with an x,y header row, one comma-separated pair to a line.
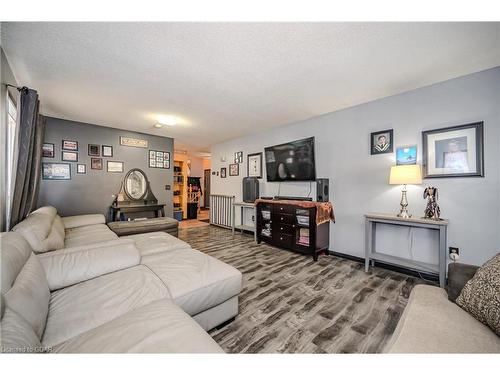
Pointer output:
x,y
167,187
454,250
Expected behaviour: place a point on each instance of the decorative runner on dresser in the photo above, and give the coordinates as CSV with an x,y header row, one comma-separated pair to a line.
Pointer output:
x,y
291,304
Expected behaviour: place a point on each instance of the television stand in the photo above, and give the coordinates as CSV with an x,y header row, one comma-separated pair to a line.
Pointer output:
x,y
292,226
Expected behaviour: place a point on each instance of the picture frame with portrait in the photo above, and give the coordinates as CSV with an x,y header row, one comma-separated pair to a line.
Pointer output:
x,y
234,169
223,172
382,142
254,165
456,151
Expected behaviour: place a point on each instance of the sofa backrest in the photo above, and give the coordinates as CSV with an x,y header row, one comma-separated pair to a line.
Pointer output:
x,y
43,229
25,290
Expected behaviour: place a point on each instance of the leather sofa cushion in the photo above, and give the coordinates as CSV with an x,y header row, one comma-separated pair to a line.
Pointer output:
x,y
196,281
87,305
88,234
29,295
83,220
123,228
17,334
43,229
159,327
156,242
15,252
432,324
73,265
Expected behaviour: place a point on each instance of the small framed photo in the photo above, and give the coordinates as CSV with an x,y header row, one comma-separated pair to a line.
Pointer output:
x,y
406,155
223,172
234,169
107,151
152,154
159,164
166,164
455,151
69,156
382,142
69,145
238,157
56,171
115,166
166,156
254,165
152,163
81,168
96,163
94,150
48,150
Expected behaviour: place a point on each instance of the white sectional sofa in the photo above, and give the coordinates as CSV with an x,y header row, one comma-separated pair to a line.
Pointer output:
x,y
71,285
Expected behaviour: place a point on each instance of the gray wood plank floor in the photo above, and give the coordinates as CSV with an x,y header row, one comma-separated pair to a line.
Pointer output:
x,y
291,304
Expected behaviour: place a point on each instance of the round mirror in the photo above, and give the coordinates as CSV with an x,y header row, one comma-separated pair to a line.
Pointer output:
x,y
135,184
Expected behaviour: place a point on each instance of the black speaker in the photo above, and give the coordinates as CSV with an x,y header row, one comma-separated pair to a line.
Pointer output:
x,y
322,189
250,189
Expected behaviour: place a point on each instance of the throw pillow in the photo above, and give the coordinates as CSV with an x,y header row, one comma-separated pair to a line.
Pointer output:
x,y
480,297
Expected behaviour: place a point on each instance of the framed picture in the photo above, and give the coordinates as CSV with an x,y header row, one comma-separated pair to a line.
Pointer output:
x,y
159,159
133,142
254,165
56,171
456,151
81,168
69,156
223,172
107,151
69,145
48,150
234,169
238,157
94,150
96,163
406,155
115,166
381,142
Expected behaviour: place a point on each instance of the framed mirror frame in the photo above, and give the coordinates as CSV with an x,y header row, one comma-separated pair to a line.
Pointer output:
x,y
146,187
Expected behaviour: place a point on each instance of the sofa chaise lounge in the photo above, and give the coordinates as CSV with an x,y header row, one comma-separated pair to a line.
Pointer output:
x,y
71,285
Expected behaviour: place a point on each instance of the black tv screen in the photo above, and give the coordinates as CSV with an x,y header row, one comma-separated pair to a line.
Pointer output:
x,y
293,161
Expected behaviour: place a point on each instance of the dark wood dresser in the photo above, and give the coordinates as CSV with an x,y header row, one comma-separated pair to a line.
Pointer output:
x,y
291,226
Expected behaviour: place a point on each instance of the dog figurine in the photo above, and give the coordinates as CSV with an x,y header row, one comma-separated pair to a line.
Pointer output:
x,y
432,210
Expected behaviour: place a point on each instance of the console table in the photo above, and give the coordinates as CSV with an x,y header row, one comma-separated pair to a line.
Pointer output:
x,y
294,225
371,221
117,210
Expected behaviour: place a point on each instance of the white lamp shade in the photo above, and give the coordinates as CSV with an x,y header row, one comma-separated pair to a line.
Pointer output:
x,y
406,175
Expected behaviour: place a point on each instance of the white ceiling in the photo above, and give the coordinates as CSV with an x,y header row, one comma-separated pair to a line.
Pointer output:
x,y
226,80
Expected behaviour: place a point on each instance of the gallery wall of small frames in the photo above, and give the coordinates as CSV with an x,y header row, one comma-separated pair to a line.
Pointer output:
x,y
70,152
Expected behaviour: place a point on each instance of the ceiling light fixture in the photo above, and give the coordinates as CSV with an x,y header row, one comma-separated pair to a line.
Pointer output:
x,y
167,120
158,126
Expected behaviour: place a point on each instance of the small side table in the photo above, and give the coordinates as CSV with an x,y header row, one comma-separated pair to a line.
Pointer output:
x,y
371,221
241,226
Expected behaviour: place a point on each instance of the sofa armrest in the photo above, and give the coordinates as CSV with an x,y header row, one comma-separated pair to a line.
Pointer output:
x,y
458,275
82,220
70,266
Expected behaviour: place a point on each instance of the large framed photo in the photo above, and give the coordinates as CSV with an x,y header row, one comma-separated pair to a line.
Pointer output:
x,y
381,142
56,171
69,145
456,151
254,165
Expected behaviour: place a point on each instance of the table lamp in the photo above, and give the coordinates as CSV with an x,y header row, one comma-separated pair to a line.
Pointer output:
x,y
404,175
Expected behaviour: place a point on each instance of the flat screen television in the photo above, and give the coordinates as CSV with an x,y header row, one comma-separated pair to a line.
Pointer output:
x,y
293,161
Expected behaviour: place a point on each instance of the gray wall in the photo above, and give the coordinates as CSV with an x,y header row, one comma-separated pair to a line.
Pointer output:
x,y
93,192
6,77
360,181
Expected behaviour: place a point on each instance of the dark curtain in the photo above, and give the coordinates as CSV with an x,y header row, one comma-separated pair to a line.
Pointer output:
x,y
29,147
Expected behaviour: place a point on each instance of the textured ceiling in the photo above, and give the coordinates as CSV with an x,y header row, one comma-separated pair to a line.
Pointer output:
x,y
226,80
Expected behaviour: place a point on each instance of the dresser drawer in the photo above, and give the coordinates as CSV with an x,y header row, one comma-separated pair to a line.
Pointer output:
x,y
284,209
283,219
282,240
284,228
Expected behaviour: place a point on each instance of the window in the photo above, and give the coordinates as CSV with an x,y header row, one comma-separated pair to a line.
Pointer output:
x,y
11,142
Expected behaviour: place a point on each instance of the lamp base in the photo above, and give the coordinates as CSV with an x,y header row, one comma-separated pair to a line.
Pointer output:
x,y
404,213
